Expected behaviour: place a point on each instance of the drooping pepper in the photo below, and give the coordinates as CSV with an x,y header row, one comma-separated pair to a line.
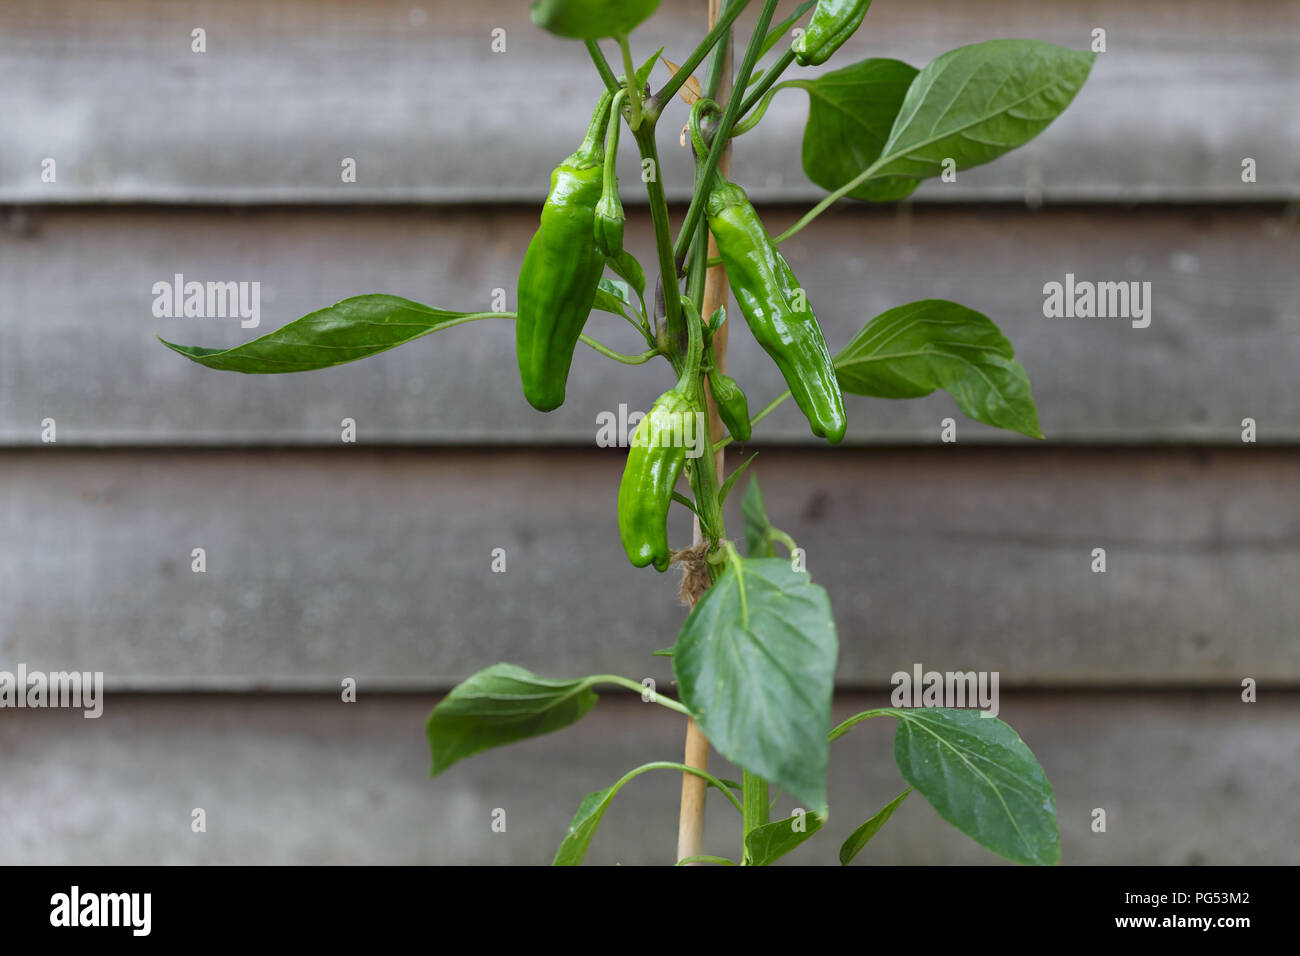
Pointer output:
x,y
733,409
561,271
833,22
609,211
776,309
660,446
591,19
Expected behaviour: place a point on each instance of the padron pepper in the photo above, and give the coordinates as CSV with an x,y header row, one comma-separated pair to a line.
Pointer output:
x,y
561,271
660,446
591,19
733,409
833,22
609,211
776,309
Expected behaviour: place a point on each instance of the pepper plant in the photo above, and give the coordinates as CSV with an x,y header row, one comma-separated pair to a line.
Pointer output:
x,y
755,659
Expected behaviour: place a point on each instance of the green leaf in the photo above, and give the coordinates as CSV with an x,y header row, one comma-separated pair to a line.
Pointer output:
x,y
758,529
909,351
850,114
977,102
979,775
731,479
591,811
662,652
681,499
767,843
643,71
582,830
627,268
501,705
349,330
613,296
863,834
755,662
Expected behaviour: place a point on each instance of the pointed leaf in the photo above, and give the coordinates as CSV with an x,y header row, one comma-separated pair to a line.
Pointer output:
x,y
755,662
977,102
627,268
731,479
644,70
582,830
501,705
349,330
982,778
863,834
765,844
909,351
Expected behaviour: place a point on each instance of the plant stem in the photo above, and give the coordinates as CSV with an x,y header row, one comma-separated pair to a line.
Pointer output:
x,y
744,125
770,77
602,66
639,359
633,93
720,28
673,335
831,199
632,685
723,135
754,793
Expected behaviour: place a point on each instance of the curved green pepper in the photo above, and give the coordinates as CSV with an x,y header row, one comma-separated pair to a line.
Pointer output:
x,y
776,309
561,271
733,409
833,22
655,461
591,19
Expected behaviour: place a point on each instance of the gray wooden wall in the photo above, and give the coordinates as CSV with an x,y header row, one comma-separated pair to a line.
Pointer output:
x,y
371,560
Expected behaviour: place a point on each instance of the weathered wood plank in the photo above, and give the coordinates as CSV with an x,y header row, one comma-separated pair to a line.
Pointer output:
x,y
285,91
1186,778
377,565
76,324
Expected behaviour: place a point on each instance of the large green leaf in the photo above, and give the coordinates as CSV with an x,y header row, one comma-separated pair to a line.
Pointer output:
x,y
982,778
346,331
977,102
766,844
850,114
860,837
755,662
501,705
913,349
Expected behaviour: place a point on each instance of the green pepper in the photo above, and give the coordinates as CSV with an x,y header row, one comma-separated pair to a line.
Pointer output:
x,y
776,309
733,409
609,211
591,19
833,22
656,458
561,271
